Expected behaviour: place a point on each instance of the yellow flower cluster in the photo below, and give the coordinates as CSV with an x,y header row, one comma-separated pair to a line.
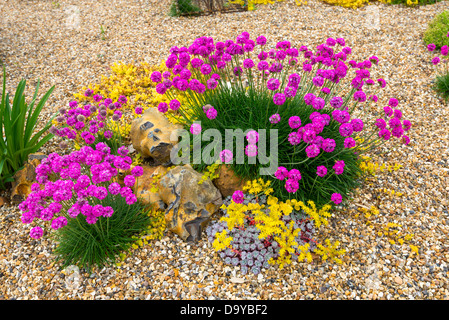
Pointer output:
x,y
330,251
371,168
251,3
319,216
258,186
211,173
354,4
268,220
132,81
391,230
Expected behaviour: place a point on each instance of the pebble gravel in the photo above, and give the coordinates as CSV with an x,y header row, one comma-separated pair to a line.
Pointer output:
x,y
62,44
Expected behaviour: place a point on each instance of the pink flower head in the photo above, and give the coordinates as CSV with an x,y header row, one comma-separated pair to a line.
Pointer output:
x,y
226,156
336,198
431,47
251,150
294,174
175,104
281,173
321,171
291,185
294,138
195,128
279,98
211,113
275,118
238,196
294,122
436,60
273,84
384,134
36,232
252,137
312,151
405,140
339,167
162,107
328,145
349,142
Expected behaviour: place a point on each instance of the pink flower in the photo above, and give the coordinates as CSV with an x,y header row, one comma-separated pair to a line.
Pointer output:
x,y
291,185
281,173
226,156
195,128
238,196
321,171
336,198
251,150
252,137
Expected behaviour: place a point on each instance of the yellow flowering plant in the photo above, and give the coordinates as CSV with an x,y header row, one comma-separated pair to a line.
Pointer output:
x,y
257,230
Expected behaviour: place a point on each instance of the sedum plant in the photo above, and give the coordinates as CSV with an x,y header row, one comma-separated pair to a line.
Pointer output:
x,y
257,230
17,130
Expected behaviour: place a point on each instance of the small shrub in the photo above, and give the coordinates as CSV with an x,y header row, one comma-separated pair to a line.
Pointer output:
x,y
182,8
17,125
437,30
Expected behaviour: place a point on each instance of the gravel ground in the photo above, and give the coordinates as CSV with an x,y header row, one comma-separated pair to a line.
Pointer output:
x,y
61,43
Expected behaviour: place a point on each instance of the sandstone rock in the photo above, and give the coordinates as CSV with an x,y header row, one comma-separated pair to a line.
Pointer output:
x,y
227,181
23,179
3,201
150,135
148,181
189,205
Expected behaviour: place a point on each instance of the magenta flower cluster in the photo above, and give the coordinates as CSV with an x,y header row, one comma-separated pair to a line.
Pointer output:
x,y
287,74
90,120
77,183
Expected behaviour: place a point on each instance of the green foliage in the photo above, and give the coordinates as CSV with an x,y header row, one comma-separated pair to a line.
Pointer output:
x,y
437,30
239,110
17,125
100,244
182,7
441,86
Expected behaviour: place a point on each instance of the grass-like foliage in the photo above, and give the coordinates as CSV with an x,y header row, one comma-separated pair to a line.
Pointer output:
x,y
17,130
88,245
441,86
238,110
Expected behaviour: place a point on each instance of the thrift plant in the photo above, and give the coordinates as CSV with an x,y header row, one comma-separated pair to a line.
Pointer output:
x,y
79,196
99,121
318,100
441,63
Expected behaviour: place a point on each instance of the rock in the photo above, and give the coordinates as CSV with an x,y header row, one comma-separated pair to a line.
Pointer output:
x,y
3,201
150,136
227,181
148,181
398,280
189,205
23,179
